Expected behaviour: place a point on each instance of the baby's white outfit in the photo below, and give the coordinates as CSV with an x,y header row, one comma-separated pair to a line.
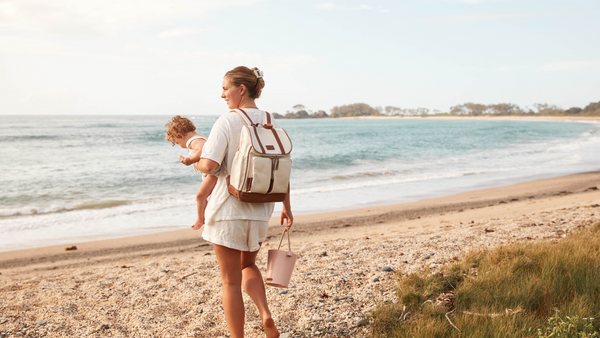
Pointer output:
x,y
228,221
192,151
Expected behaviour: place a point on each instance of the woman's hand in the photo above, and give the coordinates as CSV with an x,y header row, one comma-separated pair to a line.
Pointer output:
x,y
286,213
288,217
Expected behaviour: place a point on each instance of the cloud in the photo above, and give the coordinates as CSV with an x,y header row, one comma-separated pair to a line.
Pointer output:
x,y
571,66
327,5
474,17
176,32
99,17
331,6
182,31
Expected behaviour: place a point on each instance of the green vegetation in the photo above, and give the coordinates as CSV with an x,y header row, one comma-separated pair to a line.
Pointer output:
x,y
509,109
466,109
569,327
508,291
352,110
299,112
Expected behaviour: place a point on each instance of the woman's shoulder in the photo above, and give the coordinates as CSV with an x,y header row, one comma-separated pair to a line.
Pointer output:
x,y
235,117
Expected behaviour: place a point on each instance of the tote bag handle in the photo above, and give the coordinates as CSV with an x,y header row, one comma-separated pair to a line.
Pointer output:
x,y
281,240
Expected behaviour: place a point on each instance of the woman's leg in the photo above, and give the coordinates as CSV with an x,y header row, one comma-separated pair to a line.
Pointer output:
x,y
255,288
233,303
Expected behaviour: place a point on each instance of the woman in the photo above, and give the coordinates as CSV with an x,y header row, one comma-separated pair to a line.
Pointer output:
x,y
237,229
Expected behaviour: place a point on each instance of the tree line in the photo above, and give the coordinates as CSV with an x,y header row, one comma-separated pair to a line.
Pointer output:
x,y
299,111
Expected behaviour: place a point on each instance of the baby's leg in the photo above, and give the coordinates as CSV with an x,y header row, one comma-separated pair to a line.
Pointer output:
x,y
206,188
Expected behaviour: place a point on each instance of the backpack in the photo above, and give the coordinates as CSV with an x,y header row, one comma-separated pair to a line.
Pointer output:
x,y
261,167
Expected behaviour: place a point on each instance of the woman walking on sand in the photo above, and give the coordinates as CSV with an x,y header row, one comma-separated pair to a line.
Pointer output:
x,y
237,229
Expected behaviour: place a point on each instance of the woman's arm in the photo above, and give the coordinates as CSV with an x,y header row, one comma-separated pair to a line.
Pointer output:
x,y
214,150
286,213
207,166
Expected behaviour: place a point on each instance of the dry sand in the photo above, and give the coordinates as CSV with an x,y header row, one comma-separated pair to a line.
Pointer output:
x,y
168,284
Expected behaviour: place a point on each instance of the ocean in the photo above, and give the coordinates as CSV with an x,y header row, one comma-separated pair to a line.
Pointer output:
x,y
69,179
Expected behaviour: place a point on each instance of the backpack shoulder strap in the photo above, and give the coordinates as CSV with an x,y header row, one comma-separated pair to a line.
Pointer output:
x,y
244,116
269,124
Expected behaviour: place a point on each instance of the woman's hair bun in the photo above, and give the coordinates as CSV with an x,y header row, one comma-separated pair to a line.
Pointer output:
x,y
252,78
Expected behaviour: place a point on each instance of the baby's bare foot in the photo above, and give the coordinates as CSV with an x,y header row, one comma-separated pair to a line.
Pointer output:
x,y
270,328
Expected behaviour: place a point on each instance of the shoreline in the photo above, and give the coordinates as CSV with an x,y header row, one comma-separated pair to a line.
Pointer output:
x,y
352,223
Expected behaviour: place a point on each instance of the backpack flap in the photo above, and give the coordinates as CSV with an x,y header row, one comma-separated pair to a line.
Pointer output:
x,y
270,141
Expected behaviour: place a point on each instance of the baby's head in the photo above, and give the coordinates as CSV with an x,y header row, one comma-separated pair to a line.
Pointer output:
x,y
177,128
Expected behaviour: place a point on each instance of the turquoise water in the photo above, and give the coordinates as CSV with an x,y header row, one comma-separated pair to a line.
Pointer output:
x,y
73,178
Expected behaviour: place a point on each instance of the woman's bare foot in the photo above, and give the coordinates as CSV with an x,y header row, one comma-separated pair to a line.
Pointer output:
x,y
270,328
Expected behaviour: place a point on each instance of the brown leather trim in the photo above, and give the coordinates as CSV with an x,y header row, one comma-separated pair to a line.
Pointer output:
x,y
254,197
262,149
291,144
267,125
246,171
272,180
249,119
249,184
270,147
278,141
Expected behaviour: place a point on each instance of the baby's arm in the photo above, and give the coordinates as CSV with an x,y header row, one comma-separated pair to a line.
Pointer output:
x,y
197,146
207,186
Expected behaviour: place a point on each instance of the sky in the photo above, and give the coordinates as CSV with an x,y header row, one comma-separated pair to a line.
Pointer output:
x,y
167,57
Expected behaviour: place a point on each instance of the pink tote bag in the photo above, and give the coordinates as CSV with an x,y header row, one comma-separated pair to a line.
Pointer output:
x,y
280,265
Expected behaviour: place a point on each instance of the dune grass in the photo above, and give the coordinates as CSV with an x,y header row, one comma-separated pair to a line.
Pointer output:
x,y
540,289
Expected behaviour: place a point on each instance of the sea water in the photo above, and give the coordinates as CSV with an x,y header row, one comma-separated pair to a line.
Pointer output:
x,y
77,178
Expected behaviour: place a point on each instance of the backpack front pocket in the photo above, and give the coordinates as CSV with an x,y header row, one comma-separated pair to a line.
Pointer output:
x,y
281,175
261,167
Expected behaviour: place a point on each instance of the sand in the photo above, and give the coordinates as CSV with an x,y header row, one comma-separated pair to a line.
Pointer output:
x,y
168,284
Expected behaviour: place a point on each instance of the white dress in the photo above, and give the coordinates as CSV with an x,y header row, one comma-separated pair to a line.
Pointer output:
x,y
228,221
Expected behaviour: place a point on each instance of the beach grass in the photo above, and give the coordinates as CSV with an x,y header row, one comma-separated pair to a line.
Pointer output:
x,y
527,289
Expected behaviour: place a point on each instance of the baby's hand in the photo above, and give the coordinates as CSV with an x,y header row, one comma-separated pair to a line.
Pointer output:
x,y
181,159
199,223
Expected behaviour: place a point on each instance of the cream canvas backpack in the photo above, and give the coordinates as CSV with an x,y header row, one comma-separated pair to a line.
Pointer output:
x,y
261,167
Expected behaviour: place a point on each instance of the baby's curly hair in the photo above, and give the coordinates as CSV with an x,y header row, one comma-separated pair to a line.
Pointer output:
x,y
178,126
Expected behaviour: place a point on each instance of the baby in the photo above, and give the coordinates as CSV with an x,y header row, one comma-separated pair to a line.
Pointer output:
x,y
182,131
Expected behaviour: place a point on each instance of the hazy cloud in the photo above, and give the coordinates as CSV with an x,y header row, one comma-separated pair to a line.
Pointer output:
x,y
475,17
571,66
331,6
327,5
182,31
94,17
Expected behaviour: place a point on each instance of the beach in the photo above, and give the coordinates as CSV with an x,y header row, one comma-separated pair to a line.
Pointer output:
x,y
168,284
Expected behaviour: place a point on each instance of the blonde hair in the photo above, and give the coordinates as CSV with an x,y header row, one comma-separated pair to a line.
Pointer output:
x,y
178,126
246,76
